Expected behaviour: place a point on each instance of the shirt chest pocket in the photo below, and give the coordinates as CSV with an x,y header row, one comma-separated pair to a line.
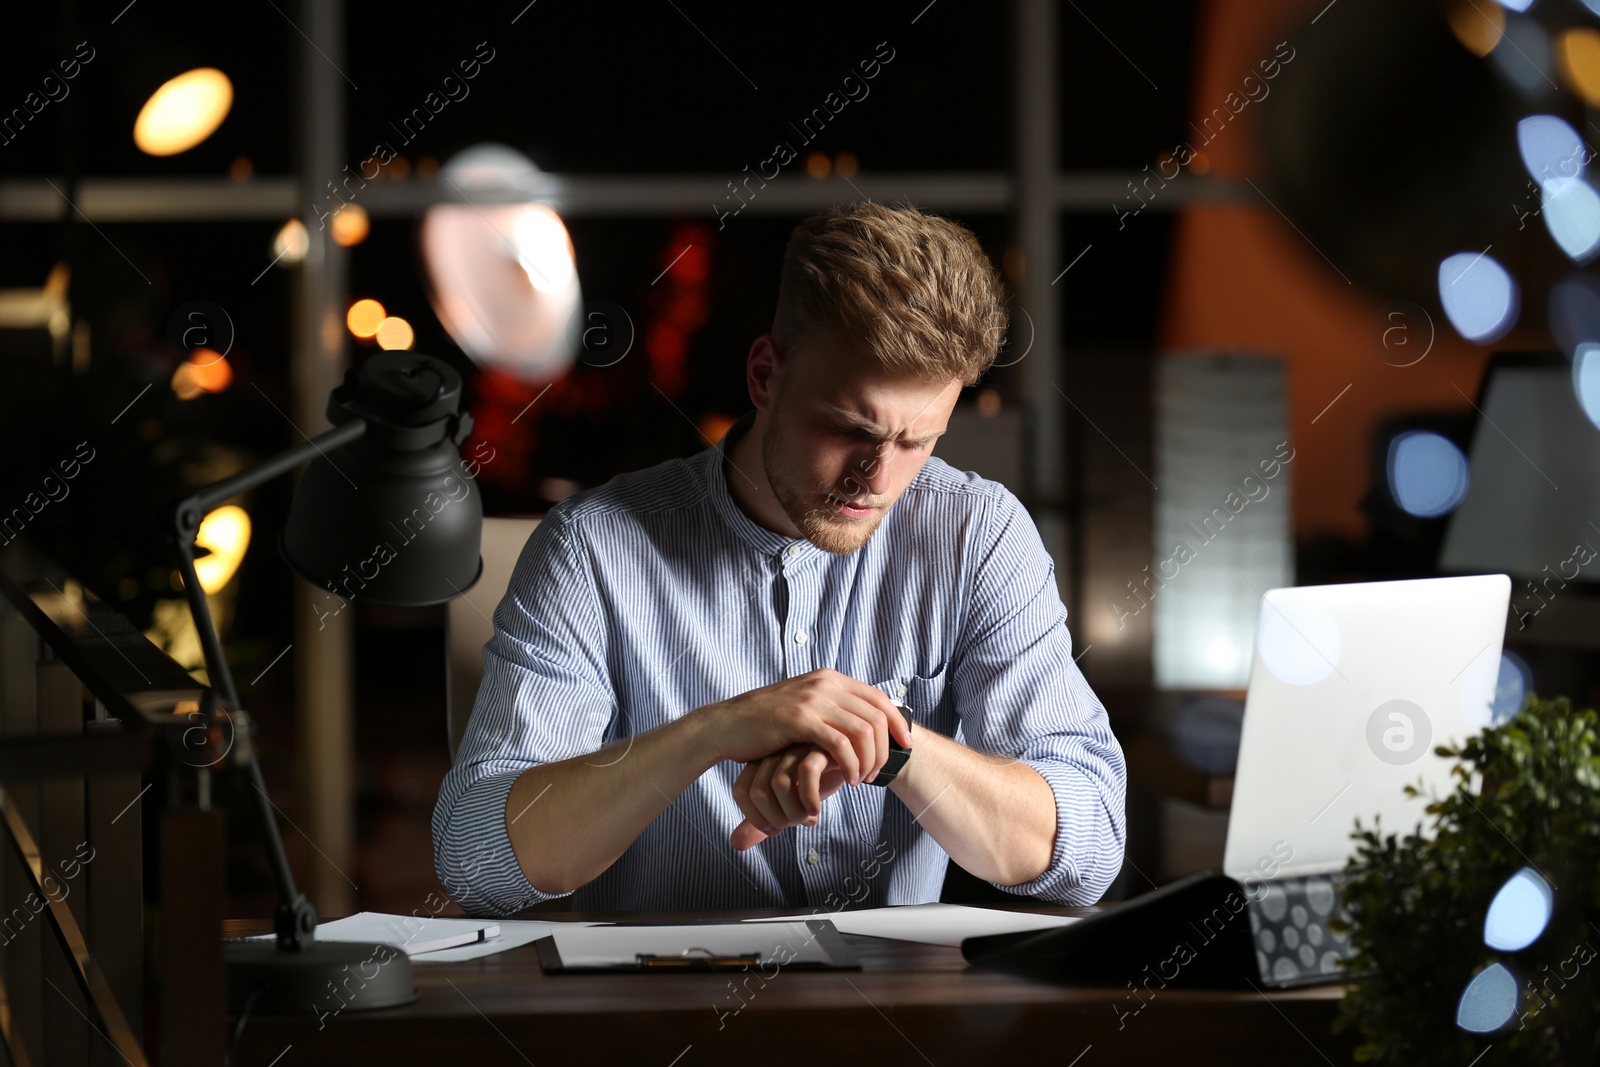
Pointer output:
x,y
926,696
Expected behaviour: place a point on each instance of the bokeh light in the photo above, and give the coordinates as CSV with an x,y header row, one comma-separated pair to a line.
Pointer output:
x,y
1578,56
1519,912
205,371
1586,380
526,322
1477,26
291,243
394,333
1480,298
1571,210
1511,688
543,248
1427,473
183,112
364,318
226,533
1489,1001
350,225
1550,148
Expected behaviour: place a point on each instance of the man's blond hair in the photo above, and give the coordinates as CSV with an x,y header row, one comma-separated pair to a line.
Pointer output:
x,y
915,291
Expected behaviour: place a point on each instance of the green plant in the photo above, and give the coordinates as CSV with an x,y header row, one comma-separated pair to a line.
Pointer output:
x,y
1527,794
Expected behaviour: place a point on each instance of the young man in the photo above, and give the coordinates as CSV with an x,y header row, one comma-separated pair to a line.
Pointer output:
x,y
693,678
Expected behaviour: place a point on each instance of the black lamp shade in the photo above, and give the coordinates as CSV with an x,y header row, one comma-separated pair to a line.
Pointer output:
x,y
394,517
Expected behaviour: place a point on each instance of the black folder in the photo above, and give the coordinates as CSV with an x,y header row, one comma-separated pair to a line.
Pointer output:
x,y
1192,934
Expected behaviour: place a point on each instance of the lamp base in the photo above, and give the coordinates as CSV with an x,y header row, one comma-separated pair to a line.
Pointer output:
x,y
325,979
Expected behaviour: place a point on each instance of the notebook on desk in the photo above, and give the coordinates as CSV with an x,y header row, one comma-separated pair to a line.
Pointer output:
x,y
1352,687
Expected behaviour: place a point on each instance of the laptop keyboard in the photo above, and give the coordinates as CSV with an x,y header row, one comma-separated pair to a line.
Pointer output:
x,y
1289,923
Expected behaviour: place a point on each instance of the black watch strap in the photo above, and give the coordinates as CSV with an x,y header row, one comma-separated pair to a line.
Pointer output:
x,y
898,753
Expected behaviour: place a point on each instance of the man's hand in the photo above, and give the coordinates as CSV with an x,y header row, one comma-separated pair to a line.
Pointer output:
x,y
848,720
785,789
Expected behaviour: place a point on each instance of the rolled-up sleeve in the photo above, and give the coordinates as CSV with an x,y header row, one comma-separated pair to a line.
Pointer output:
x,y
546,696
1019,693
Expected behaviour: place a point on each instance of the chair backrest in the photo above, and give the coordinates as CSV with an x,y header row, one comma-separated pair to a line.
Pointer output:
x,y
470,620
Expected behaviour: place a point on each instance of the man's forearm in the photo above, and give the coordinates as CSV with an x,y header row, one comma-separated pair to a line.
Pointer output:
x,y
571,820
994,816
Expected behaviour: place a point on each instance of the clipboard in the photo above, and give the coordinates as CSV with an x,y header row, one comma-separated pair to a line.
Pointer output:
x,y
646,948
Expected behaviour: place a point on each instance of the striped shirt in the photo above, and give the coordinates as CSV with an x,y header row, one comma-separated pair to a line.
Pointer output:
x,y
636,602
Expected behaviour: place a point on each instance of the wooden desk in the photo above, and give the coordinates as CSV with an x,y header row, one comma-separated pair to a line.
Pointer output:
x,y
910,1004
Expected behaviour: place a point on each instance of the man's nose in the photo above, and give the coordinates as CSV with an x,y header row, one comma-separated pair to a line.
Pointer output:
x,y
871,475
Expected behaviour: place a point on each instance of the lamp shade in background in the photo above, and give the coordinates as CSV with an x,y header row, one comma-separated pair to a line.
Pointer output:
x,y
1535,484
395,516
1223,463
503,277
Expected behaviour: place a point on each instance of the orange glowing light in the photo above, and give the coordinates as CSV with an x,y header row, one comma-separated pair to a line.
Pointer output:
x,y
395,333
204,371
364,318
350,225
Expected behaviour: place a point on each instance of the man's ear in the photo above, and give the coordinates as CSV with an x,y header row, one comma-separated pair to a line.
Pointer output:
x,y
763,366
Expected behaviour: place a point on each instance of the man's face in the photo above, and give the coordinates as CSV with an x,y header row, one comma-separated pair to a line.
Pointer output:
x,y
844,438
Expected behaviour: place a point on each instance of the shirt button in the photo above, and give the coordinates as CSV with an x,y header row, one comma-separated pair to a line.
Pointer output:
x,y
901,691
800,637
794,550
813,856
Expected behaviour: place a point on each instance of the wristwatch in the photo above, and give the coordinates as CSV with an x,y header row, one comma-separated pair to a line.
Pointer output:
x,y
898,753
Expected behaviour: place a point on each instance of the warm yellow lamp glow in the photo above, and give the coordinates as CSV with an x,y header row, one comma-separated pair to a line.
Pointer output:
x,y
226,532
1578,51
364,318
395,332
1478,27
204,371
350,225
291,244
183,112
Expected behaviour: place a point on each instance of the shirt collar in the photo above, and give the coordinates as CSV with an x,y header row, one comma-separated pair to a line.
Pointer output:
x,y
765,541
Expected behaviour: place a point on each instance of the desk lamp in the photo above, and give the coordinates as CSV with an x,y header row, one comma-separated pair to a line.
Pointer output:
x,y
385,511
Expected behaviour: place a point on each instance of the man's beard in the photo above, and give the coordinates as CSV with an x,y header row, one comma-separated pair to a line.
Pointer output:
x,y
811,513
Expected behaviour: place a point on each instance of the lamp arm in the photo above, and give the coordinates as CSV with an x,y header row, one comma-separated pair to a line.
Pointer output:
x,y
295,920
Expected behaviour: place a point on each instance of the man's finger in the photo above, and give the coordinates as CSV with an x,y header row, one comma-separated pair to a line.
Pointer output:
x,y
810,771
746,836
880,700
769,813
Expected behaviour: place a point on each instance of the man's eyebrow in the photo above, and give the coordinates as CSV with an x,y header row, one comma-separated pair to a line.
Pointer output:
x,y
861,422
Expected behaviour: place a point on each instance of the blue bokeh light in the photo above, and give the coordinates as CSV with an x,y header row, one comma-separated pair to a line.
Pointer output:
x,y
1427,473
1519,912
1489,1001
1571,211
1586,380
1479,296
1510,688
1551,149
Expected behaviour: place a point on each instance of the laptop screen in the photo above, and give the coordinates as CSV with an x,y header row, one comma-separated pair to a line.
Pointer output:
x,y
1351,689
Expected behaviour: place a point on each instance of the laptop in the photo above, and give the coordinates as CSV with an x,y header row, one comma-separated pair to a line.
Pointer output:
x,y
1352,687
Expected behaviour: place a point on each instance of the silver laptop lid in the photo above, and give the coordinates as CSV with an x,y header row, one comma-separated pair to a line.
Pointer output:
x,y
1351,689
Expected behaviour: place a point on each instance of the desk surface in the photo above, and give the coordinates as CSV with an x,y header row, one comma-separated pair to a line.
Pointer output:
x,y
909,1004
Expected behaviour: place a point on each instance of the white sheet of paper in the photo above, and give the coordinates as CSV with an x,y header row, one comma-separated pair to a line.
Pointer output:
x,y
410,933
513,934
383,929
932,924
606,946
